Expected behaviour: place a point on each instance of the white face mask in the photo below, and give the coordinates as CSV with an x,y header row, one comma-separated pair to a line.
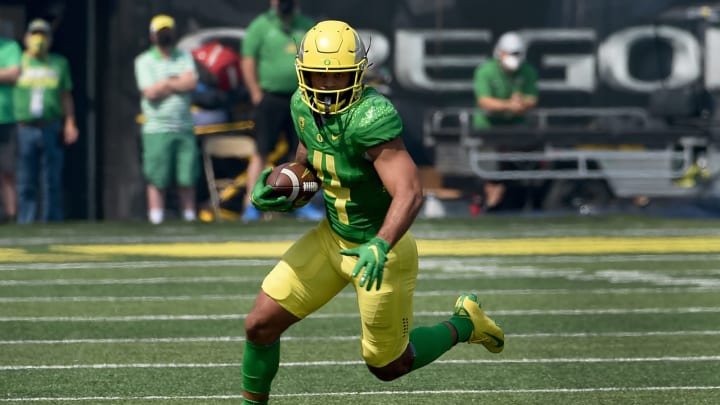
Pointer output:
x,y
511,62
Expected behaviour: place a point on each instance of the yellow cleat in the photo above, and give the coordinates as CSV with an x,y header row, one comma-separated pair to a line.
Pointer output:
x,y
485,331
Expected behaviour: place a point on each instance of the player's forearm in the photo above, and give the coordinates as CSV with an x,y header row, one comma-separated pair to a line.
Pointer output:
x,y
301,154
400,216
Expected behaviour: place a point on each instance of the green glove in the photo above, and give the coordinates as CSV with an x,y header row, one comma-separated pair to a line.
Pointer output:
x,y
260,192
372,256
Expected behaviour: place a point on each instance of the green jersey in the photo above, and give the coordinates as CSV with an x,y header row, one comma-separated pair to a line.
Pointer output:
x,y
355,198
172,113
37,95
490,80
274,47
10,54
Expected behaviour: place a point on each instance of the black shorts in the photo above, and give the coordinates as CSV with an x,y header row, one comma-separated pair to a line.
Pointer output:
x,y
8,147
272,119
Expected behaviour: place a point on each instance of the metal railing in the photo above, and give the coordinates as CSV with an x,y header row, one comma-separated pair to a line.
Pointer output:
x,y
654,158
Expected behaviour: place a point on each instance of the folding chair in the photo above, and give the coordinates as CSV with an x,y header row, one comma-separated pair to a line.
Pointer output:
x,y
223,147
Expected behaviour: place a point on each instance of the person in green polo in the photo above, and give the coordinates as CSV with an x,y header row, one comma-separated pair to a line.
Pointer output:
x,y
45,113
10,55
268,66
505,90
166,77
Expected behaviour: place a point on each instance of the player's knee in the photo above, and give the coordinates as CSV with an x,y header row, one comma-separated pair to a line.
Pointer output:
x,y
395,369
259,329
389,372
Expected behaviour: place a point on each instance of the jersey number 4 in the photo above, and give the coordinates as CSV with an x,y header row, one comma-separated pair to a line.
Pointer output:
x,y
324,164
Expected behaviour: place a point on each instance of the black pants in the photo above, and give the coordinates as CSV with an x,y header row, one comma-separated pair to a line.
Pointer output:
x,y
272,118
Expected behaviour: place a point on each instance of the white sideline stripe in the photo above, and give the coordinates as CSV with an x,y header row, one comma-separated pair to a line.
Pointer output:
x,y
121,281
427,261
177,280
219,317
373,393
706,281
219,297
232,339
188,280
283,234
586,360
609,311
129,265
150,298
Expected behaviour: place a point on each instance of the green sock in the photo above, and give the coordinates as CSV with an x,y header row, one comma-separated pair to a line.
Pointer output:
x,y
430,342
260,363
464,327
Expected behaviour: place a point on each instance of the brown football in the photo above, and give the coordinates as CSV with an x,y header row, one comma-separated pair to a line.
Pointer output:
x,y
295,181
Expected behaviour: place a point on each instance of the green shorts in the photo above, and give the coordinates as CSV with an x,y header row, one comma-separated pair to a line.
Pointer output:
x,y
313,271
170,157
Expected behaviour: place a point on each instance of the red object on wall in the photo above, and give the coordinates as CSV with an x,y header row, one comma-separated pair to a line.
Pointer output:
x,y
221,61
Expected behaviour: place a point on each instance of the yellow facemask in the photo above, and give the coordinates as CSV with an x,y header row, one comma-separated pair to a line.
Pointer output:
x,y
38,44
331,47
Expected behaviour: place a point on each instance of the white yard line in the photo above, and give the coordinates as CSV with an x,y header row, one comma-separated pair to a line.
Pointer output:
x,y
369,393
280,235
222,317
428,262
234,339
614,276
450,270
231,297
151,298
579,360
129,265
607,311
129,281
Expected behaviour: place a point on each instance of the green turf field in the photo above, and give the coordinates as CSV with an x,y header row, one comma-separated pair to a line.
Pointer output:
x,y
596,310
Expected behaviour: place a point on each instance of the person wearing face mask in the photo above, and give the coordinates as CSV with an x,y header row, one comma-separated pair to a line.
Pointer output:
x,y
44,111
166,77
505,90
268,66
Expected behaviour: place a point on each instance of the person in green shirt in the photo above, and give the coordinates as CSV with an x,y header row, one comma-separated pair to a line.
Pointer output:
x,y
268,57
10,55
505,90
45,113
351,136
166,77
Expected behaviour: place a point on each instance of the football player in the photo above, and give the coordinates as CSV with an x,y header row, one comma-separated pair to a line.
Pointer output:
x,y
351,135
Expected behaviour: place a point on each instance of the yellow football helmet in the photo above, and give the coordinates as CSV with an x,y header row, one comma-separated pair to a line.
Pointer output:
x,y
331,46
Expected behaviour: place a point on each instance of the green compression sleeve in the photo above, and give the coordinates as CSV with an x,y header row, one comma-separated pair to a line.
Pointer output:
x,y
430,342
260,363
